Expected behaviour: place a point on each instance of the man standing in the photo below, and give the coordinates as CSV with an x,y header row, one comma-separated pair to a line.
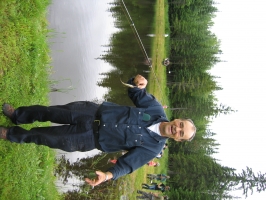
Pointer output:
x,y
158,177
156,186
150,196
141,131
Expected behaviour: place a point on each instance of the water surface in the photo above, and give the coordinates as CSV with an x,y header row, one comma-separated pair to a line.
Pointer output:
x,y
80,28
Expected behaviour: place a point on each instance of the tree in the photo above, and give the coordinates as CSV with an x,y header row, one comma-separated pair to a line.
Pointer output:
x,y
249,180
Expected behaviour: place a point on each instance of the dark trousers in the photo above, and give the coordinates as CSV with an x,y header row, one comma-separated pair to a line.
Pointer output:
x,y
145,195
150,187
74,134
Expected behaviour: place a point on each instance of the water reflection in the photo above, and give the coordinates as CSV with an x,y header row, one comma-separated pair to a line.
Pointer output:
x,y
79,34
125,49
77,38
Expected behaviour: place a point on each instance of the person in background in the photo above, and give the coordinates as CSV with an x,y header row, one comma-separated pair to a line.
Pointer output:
x,y
153,164
158,177
150,196
156,186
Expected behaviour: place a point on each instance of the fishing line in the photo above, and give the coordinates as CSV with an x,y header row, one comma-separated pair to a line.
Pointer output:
x,y
125,10
135,32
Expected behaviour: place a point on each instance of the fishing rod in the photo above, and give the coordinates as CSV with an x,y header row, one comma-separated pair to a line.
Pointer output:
x,y
141,46
137,35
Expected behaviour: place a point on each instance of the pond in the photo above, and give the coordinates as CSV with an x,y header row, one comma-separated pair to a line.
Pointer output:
x,y
78,36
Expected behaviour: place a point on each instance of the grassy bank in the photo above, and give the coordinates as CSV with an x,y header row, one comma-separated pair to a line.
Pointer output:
x,y
157,79
26,171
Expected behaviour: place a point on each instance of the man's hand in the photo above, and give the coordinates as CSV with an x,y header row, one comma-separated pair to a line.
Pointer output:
x,y
101,177
140,81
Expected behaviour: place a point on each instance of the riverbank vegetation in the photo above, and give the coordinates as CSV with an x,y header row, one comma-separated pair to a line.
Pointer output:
x,y
26,171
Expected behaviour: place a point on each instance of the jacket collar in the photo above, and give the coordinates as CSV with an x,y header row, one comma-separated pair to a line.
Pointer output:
x,y
155,135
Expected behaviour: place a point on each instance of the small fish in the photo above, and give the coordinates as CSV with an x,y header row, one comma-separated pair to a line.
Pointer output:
x,y
128,85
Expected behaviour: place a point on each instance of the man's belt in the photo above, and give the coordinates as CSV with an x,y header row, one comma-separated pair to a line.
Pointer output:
x,y
96,125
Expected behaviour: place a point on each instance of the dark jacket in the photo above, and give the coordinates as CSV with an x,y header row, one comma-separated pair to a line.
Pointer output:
x,y
125,128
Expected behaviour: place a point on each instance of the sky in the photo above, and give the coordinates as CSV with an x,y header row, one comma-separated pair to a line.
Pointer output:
x,y
240,27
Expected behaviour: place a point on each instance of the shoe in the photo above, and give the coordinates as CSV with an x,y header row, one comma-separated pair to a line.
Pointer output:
x,y
8,110
3,132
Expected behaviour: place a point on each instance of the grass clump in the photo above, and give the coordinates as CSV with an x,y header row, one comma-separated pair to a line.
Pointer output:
x,y
26,172
24,52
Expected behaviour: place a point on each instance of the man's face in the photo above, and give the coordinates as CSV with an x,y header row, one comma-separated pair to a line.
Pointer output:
x,y
177,129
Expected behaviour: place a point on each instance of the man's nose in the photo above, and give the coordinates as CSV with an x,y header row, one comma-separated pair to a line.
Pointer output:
x,y
177,129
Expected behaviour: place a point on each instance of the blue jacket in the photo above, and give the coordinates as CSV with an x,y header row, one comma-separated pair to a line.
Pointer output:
x,y
125,128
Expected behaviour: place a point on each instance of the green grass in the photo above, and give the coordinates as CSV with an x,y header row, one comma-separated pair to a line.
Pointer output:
x,y
24,52
157,79
26,171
